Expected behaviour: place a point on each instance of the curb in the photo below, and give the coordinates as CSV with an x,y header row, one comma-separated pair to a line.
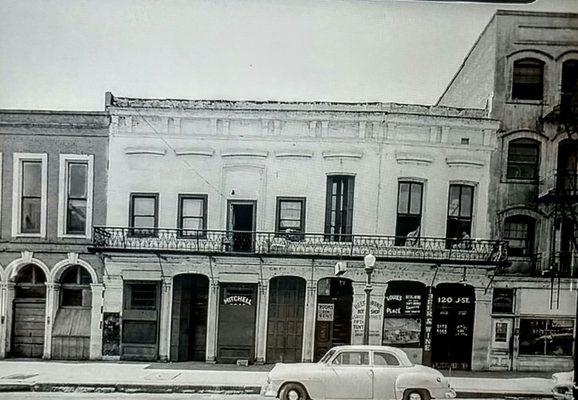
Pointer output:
x,y
128,388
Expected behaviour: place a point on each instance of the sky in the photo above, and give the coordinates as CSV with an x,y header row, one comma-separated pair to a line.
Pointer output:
x,y
65,54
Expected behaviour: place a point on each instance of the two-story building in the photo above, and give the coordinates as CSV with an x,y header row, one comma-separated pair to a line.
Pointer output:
x,y
226,221
53,191
524,69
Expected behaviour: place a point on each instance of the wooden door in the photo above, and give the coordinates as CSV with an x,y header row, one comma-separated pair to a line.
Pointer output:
x,y
285,319
237,315
140,321
28,334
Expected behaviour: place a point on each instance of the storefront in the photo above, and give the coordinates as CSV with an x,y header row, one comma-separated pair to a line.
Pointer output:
x,y
404,317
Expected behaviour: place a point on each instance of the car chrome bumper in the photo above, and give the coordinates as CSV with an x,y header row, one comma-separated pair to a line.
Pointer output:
x,y
451,394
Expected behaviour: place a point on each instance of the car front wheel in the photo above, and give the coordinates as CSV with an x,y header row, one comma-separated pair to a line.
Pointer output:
x,y
415,394
293,391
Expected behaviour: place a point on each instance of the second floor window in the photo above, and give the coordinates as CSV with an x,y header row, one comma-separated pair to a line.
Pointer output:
x,y
192,215
76,197
459,221
31,199
528,79
290,214
339,208
143,214
409,206
523,159
519,233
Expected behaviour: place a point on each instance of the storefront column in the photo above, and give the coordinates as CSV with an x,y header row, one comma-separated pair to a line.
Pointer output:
x,y
6,299
96,290
52,302
262,312
309,321
482,340
212,318
165,319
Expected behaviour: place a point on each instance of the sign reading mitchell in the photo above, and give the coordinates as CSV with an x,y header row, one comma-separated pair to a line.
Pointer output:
x,y
237,300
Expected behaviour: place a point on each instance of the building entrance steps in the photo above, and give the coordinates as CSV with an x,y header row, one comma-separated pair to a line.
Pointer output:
x,y
197,377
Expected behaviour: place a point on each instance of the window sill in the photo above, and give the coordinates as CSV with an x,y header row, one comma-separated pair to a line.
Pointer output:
x,y
527,102
521,181
82,237
28,235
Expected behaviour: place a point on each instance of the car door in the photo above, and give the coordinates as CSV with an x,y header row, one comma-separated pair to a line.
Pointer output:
x,y
386,369
349,376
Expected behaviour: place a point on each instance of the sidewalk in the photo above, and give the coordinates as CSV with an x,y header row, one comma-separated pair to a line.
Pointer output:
x,y
190,377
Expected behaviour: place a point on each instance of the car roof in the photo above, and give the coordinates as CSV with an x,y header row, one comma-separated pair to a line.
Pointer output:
x,y
360,347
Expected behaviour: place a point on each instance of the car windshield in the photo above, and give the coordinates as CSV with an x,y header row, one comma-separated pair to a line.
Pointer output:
x,y
327,356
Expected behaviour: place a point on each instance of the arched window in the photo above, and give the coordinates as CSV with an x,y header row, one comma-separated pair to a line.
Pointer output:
x,y
523,159
528,79
519,233
75,287
31,282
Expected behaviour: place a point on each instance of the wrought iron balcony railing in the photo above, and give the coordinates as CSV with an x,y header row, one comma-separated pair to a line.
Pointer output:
x,y
560,183
469,251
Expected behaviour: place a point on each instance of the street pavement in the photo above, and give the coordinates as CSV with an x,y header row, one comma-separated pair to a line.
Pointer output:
x,y
140,396
145,377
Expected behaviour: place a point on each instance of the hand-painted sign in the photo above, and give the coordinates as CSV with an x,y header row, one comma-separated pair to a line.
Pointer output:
x,y
325,312
237,300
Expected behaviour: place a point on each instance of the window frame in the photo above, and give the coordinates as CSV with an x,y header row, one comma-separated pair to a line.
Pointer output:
x,y
339,354
529,142
186,196
375,352
132,230
408,214
513,75
349,181
17,187
63,198
530,239
472,205
302,201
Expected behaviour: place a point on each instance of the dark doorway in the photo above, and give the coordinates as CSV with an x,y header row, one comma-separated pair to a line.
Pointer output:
x,y
285,319
140,321
333,322
242,223
453,325
29,313
237,313
567,185
189,317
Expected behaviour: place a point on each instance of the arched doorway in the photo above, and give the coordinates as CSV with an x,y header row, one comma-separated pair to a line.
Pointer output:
x,y
404,317
29,313
189,317
71,328
453,326
285,319
333,322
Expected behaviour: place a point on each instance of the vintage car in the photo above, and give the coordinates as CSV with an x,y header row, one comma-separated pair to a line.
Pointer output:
x,y
562,389
357,372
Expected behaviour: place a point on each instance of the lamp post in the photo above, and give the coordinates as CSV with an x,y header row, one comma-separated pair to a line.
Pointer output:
x,y
369,262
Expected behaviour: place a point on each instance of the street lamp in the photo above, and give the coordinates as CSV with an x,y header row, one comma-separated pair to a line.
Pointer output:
x,y
369,262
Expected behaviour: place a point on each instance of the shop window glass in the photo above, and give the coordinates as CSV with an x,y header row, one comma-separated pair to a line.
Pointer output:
x,y
409,208
523,159
546,337
503,301
519,233
139,332
528,79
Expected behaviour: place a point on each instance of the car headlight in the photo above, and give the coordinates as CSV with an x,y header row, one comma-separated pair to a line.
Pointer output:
x,y
439,379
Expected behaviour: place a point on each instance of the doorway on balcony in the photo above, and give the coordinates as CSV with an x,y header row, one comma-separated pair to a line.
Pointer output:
x,y
241,220
189,317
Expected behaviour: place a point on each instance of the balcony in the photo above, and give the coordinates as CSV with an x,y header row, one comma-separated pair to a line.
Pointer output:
x,y
563,264
317,245
561,183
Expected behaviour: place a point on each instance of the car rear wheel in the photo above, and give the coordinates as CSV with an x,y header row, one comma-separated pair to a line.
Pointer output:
x,y
293,391
416,394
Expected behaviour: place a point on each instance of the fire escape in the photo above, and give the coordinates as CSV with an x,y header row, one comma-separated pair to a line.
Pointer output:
x,y
559,190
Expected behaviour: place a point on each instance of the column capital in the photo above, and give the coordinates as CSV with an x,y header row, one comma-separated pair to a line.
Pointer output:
x,y
8,285
52,285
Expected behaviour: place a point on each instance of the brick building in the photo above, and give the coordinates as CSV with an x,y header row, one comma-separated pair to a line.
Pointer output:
x,y
524,70
53,181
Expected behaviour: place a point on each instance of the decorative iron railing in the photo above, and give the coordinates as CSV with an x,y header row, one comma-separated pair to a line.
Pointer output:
x,y
300,244
561,182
